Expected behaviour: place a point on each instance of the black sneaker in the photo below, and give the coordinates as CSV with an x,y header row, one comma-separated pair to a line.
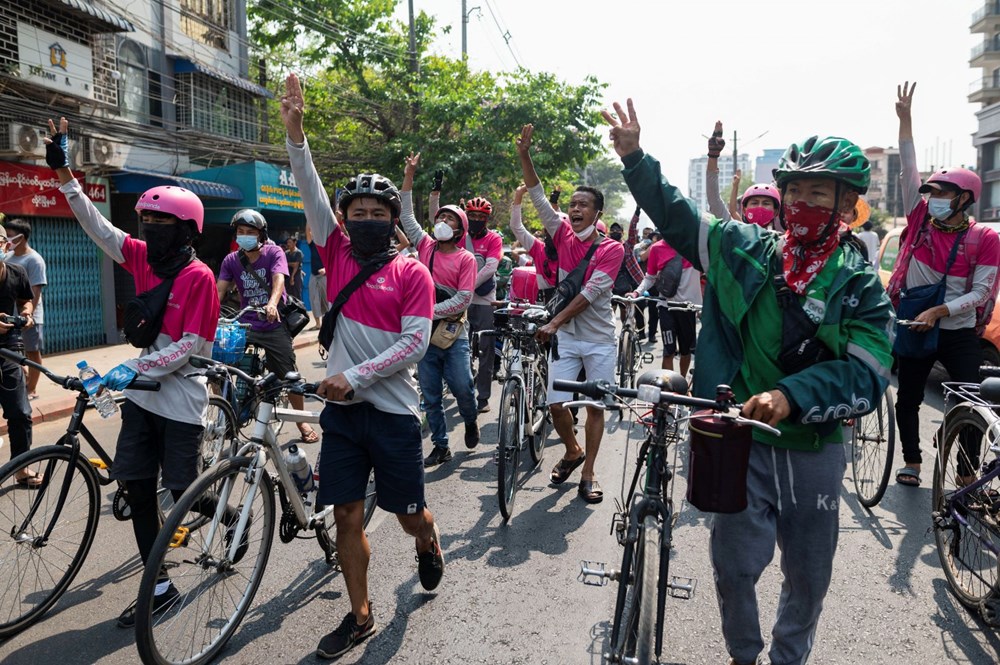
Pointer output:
x,y
438,456
347,636
244,541
430,564
471,435
161,603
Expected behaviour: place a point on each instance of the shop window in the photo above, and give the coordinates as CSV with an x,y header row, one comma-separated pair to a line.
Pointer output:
x,y
208,21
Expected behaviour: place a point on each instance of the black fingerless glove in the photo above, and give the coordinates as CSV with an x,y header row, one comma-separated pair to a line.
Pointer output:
x,y
715,145
57,152
438,181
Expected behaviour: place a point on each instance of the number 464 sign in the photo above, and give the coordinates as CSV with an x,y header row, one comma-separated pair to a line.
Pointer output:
x,y
97,193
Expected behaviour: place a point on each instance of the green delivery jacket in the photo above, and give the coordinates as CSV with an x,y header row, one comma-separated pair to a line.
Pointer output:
x,y
739,261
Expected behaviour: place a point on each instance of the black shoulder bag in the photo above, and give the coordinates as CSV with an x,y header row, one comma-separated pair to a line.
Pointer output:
x,y
292,311
569,288
142,318
800,348
329,324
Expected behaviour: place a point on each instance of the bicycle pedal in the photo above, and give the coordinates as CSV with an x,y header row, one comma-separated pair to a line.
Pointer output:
x,y
682,587
180,537
598,570
97,463
647,358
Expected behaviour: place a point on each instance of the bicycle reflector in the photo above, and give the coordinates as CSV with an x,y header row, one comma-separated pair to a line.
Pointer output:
x,y
718,463
647,393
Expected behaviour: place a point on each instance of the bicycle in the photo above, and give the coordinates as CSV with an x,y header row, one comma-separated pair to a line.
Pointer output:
x,y
218,567
630,355
873,441
966,508
643,523
46,532
524,413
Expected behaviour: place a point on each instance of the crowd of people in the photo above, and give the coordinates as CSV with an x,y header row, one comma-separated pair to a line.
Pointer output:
x,y
793,317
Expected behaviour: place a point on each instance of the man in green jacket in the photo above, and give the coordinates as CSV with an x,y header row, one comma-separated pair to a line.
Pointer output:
x,y
801,328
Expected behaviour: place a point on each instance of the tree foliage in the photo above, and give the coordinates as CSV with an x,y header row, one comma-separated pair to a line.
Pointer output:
x,y
370,101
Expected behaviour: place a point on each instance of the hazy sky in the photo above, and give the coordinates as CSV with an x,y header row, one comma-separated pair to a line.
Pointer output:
x,y
792,68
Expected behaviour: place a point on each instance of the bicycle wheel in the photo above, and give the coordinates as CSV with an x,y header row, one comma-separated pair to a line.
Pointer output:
x,y
969,564
326,533
625,626
540,417
626,359
214,592
33,576
872,444
509,446
650,607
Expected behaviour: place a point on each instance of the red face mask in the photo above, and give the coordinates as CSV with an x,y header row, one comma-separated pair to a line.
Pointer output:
x,y
806,223
759,215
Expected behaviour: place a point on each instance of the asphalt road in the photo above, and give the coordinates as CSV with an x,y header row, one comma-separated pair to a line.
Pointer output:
x,y
510,593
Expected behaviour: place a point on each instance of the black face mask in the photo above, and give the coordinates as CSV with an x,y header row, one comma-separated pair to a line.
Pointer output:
x,y
370,238
550,248
168,247
477,228
615,235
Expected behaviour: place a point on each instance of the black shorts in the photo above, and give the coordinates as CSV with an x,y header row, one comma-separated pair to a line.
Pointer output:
x,y
678,332
358,438
279,356
150,444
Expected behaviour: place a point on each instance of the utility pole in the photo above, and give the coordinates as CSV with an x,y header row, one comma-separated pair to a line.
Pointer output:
x,y
735,158
413,41
465,31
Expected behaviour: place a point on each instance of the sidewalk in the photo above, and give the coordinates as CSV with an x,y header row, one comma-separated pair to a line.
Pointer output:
x,y
54,402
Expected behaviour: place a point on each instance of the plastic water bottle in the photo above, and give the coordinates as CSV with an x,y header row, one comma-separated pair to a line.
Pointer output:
x,y
99,395
298,467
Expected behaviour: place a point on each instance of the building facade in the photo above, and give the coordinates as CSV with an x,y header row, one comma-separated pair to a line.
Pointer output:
x,y
696,176
985,91
153,93
766,163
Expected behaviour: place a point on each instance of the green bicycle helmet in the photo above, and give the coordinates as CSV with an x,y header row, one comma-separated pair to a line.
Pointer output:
x,y
830,157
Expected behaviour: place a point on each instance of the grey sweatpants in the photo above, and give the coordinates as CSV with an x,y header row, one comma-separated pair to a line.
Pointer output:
x,y
793,500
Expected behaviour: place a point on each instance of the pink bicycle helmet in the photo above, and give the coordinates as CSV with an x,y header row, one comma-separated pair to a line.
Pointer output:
x,y
761,189
602,227
177,201
462,217
963,179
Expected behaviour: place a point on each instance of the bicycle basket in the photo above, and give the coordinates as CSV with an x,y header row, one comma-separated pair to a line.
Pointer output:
x,y
252,362
718,463
230,343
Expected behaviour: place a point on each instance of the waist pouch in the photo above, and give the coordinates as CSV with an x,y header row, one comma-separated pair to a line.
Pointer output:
x,y
142,318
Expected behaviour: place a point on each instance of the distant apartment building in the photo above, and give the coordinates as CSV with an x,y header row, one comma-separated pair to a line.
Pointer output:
x,y
884,192
985,90
696,176
766,163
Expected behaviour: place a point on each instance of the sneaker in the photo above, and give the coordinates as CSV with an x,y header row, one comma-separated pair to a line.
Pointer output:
x,y
471,435
161,603
438,456
430,564
244,541
347,636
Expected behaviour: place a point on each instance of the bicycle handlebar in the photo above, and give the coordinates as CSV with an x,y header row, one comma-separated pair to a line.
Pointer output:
x,y
601,389
72,382
628,300
215,367
236,317
988,371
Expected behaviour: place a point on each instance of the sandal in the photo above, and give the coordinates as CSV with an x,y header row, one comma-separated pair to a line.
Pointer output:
x,y
308,435
590,491
565,467
31,480
907,475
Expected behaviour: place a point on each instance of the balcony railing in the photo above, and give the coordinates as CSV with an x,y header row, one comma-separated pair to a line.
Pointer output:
x,y
991,8
986,48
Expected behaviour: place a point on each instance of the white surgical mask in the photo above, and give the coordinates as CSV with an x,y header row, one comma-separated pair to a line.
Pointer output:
x,y
940,209
582,235
15,240
443,231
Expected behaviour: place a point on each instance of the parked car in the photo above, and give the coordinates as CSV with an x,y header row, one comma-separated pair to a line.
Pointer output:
x,y
887,253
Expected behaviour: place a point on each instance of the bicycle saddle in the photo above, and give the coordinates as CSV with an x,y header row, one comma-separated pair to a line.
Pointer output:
x,y
664,379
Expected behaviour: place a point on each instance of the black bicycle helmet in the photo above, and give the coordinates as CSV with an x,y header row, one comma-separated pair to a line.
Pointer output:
x,y
250,217
371,184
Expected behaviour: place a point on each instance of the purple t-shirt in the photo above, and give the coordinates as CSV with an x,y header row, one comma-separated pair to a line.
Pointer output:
x,y
270,261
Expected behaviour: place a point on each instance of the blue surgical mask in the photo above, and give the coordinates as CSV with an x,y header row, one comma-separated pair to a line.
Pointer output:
x,y
940,209
247,243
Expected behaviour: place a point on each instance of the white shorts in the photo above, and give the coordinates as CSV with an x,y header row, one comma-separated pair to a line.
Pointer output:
x,y
597,359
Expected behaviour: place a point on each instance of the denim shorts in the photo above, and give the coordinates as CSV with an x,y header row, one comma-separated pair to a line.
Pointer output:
x,y
359,437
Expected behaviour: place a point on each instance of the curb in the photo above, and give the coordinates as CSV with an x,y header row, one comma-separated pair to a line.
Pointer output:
x,y
49,410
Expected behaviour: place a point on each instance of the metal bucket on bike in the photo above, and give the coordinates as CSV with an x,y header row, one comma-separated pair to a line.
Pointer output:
x,y
718,463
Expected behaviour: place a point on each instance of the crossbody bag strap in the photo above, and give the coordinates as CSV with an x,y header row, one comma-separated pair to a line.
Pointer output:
x,y
245,262
581,267
953,255
353,285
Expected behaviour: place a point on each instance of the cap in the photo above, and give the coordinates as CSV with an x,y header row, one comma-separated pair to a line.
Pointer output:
x,y
82,364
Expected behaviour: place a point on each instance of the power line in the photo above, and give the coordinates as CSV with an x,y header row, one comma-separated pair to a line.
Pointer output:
x,y
505,34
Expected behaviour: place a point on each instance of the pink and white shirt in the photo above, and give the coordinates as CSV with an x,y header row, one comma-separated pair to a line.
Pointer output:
x,y
384,328
689,290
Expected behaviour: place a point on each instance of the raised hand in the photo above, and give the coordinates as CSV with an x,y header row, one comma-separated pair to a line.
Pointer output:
x,y
716,143
524,140
292,109
519,193
737,176
412,162
904,99
624,128
57,145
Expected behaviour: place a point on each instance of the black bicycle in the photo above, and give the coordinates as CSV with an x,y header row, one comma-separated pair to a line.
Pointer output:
x,y
645,518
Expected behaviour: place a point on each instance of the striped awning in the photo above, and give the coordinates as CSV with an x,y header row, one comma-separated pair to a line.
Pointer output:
x,y
105,20
183,65
135,182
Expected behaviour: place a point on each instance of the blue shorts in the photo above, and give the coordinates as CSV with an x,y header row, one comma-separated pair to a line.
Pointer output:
x,y
358,438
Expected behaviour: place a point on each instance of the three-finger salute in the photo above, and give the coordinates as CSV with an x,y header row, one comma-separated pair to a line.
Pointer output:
x,y
624,128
